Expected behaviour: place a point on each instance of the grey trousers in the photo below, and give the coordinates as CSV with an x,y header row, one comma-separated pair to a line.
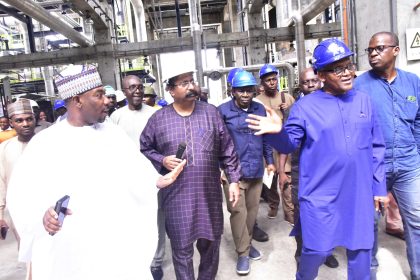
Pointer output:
x,y
160,250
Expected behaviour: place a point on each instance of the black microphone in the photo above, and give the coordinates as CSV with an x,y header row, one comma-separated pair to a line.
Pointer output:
x,y
181,149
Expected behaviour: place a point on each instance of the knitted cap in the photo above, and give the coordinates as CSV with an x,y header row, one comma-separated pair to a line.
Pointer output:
x,y
77,79
20,106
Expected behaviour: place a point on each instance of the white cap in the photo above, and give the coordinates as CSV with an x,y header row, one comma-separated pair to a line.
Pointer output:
x,y
176,71
120,95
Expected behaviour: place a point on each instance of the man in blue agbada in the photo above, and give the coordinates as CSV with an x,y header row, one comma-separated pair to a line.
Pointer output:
x,y
342,174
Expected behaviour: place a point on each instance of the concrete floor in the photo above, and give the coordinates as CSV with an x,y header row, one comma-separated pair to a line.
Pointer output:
x,y
277,262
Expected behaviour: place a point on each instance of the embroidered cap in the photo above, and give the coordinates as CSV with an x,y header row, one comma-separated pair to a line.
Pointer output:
x,y
20,106
77,79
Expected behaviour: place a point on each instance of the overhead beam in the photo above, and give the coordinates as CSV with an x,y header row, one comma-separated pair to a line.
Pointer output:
x,y
256,6
224,40
34,10
12,12
84,7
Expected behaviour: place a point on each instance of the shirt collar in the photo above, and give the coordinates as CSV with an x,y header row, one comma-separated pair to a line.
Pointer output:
x,y
252,107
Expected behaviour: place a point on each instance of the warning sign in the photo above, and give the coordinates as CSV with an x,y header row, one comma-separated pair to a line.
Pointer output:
x,y
413,43
416,41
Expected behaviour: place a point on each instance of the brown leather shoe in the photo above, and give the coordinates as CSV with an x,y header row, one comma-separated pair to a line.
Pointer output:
x,y
396,233
272,213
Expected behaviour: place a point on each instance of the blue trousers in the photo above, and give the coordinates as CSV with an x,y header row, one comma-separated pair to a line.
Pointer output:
x,y
358,264
405,185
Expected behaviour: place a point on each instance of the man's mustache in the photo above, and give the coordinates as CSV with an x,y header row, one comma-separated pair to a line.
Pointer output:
x,y
192,94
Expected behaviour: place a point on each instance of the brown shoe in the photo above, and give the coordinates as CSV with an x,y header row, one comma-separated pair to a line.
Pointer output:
x,y
272,213
396,233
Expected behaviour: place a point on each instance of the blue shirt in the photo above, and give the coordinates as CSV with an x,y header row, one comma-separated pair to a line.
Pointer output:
x,y
397,105
250,148
341,167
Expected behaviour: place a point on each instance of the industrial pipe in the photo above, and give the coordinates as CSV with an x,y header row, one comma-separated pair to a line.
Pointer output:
x,y
37,12
300,41
196,36
256,67
312,10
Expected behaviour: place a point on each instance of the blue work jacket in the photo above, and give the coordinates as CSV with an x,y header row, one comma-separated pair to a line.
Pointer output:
x,y
398,107
251,149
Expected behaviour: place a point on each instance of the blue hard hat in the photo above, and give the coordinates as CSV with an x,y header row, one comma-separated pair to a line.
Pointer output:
x,y
162,103
232,74
329,51
243,79
267,69
58,104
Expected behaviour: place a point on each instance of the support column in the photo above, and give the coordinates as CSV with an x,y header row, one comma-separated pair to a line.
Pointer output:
x,y
47,74
107,66
7,90
256,49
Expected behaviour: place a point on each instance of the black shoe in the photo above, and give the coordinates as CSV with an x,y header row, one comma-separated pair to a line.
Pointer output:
x,y
259,235
297,258
331,262
157,272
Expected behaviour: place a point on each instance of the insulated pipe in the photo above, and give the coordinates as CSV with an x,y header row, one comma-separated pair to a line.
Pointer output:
x,y
300,41
313,9
256,67
196,36
37,12
140,23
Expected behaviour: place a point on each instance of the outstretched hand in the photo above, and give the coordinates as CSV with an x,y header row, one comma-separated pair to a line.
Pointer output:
x,y
269,124
169,178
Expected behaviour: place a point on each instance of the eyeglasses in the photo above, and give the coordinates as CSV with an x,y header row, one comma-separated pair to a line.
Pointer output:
x,y
379,48
185,84
311,81
339,70
242,91
133,88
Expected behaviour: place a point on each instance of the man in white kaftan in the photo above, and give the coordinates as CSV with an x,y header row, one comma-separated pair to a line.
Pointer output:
x,y
134,116
108,232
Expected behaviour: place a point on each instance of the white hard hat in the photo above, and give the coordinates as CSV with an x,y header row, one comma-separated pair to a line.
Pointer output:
x,y
120,95
176,71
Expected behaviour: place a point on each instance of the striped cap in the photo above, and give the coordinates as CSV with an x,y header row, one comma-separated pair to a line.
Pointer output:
x,y
20,106
77,79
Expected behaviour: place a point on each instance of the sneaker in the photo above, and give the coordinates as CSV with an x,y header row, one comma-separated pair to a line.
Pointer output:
x,y
157,272
272,213
331,262
242,265
259,235
254,254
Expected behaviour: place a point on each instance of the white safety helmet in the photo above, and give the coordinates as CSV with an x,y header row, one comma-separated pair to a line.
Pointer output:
x,y
176,71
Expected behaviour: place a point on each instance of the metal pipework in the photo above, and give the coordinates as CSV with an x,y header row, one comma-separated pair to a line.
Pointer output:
x,y
36,11
196,36
300,41
256,67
